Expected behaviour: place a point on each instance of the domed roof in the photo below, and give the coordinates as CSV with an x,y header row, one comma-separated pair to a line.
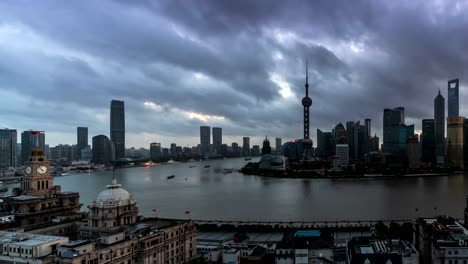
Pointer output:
x,y
114,195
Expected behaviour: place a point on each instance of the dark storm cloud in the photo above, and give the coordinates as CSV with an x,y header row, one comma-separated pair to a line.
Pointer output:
x,y
242,60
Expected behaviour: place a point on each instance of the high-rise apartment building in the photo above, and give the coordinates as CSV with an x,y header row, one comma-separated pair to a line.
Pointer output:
x,y
246,146
8,141
103,150
205,140
117,128
218,140
30,139
81,139
453,99
428,140
439,126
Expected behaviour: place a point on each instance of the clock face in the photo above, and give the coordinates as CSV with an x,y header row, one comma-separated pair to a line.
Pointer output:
x,y
28,170
41,169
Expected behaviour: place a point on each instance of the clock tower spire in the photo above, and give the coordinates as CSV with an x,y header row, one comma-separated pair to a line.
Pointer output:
x,y
37,180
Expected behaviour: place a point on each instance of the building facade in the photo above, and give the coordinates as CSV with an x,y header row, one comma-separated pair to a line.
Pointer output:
x,y
38,200
155,151
103,150
278,146
455,142
342,155
81,139
246,146
428,141
218,140
266,148
439,127
205,140
453,98
413,152
393,120
117,128
8,141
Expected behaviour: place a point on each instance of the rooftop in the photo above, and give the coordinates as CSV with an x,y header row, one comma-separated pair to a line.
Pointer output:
x,y
76,243
371,245
448,232
27,239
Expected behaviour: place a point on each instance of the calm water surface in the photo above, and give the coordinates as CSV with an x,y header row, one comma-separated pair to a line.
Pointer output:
x,y
210,194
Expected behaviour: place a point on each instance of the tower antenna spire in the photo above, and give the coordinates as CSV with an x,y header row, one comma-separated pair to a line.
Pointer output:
x,y
307,71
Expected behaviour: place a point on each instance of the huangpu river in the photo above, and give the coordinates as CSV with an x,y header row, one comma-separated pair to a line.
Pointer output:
x,y
209,193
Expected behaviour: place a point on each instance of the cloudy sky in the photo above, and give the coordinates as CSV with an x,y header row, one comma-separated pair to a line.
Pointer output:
x,y
235,64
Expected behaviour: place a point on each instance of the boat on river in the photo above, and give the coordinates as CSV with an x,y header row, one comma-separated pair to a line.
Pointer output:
x,y
170,177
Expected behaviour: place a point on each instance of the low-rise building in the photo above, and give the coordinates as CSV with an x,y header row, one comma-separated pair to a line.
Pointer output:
x,y
443,239
305,247
18,247
367,250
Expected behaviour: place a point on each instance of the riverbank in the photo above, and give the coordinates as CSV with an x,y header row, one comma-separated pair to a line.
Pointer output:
x,y
307,173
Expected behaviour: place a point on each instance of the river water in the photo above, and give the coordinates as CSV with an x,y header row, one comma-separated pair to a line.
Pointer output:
x,y
209,194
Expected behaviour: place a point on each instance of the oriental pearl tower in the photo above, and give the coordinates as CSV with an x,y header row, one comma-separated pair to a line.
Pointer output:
x,y
306,102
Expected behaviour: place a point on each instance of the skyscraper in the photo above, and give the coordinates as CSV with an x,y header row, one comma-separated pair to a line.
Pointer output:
x,y
205,140
30,139
453,109
218,140
246,146
103,151
173,149
413,152
428,140
155,151
82,140
266,148
395,132
350,137
465,142
439,126
368,127
117,128
278,146
455,142
306,102
8,141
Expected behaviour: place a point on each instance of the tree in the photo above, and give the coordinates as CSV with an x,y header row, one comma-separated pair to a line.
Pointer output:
x,y
407,232
381,229
394,230
199,260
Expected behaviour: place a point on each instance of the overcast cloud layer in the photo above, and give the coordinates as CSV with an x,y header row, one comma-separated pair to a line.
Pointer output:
x,y
234,64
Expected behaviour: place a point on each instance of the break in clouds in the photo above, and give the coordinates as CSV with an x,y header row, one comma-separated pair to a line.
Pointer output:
x,y
235,64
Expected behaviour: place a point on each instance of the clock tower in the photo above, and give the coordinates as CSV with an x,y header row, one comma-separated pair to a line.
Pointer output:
x,y
37,180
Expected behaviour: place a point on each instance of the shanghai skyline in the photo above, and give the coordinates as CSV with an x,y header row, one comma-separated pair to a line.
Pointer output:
x,y
399,54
